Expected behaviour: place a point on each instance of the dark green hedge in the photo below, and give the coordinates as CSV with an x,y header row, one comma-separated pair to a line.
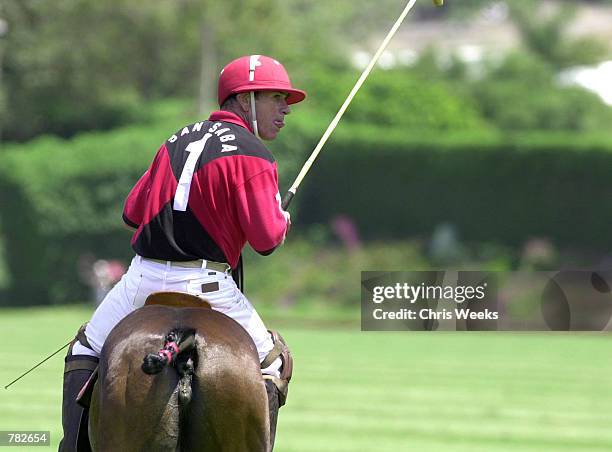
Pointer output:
x,y
62,199
491,188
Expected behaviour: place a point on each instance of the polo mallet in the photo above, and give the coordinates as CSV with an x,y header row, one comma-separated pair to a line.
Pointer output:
x,y
364,75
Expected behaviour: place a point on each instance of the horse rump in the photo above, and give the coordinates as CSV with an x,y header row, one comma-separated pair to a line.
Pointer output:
x,y
202,390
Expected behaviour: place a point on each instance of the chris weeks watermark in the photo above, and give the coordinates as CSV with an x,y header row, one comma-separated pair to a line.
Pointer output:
x,y
568,300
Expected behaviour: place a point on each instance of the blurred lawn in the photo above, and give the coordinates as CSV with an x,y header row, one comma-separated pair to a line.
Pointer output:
x,y
356,391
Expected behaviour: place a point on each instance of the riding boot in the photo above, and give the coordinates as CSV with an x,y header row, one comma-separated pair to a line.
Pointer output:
x,y
77,371
273,407
277,387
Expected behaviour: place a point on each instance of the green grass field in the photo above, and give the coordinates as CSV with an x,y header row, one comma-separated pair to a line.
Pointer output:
x,y
356,391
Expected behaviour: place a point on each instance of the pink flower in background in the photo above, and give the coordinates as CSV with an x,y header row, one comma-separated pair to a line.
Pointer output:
x,y
344,227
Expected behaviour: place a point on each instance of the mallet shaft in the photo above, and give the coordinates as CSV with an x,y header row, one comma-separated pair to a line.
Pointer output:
x,y
347,102
44,360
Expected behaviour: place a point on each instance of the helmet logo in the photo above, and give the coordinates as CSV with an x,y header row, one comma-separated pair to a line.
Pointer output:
x,y
253,63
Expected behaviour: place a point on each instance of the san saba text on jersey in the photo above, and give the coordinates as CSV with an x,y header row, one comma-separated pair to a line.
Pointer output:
x,y
222,134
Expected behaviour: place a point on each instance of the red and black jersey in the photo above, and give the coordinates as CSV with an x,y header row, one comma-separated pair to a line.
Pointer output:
x,y
212,187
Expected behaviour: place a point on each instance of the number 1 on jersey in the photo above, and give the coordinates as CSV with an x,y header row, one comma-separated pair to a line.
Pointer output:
x,y
195,149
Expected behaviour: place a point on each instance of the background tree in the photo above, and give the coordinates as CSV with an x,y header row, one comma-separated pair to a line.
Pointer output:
x,y
74,65
546,36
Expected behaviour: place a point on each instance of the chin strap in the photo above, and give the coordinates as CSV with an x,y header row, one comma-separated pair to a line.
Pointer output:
x,y
253,63
254,115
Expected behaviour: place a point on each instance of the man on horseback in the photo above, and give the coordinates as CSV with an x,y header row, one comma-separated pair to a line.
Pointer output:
x,y
212,187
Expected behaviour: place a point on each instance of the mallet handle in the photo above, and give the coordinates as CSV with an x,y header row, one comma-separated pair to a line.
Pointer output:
x,y
287,199
364,75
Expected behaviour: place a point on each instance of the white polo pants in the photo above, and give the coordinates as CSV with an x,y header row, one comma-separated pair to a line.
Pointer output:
x,y
145,277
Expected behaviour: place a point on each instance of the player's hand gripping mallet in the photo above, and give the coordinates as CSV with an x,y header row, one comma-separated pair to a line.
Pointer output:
x,y
364,75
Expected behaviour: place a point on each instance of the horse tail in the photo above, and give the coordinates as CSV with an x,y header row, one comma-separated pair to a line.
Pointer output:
x,y
178,346
177,341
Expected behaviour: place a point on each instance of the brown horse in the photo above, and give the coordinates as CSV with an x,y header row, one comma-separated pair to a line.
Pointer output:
x,y
211,398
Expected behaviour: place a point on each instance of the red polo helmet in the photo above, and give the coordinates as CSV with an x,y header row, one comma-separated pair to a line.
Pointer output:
x,y
256,73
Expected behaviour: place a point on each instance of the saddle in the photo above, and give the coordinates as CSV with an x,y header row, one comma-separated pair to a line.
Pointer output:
x,y
176,300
